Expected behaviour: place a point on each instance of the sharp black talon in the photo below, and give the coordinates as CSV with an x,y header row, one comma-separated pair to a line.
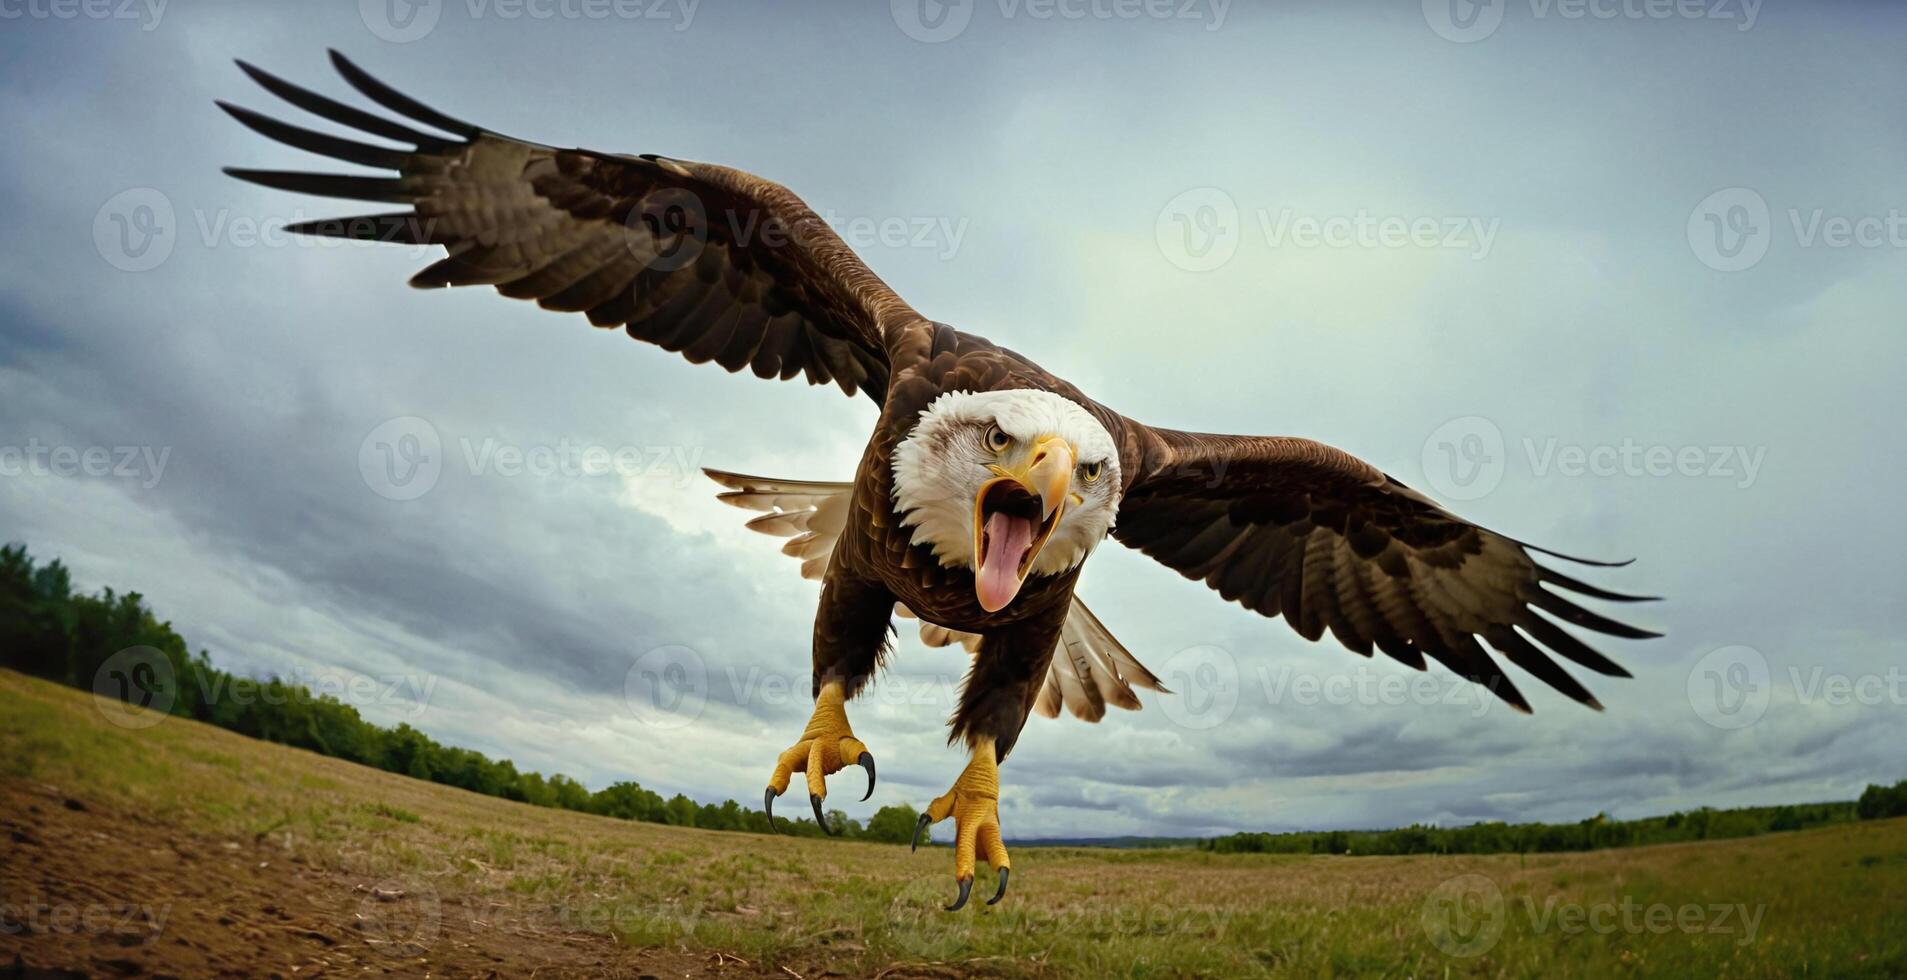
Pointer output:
x,y
918,827
966,889
867,762
768,805
818,818
995,900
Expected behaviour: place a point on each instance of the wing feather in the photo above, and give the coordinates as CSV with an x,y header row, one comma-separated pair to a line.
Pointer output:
x,y
1294,528
711,262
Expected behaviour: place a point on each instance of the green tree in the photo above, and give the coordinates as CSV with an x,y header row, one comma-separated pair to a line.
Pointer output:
x,y
893,824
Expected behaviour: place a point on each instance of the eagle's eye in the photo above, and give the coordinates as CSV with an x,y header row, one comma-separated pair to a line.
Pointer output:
x,y
1092,470
997,440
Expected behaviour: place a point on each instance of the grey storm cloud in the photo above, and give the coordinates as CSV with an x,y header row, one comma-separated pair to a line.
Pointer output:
x,y
1057,168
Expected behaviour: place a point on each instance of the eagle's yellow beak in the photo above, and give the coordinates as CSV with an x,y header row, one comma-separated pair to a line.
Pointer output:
x,y
1014,514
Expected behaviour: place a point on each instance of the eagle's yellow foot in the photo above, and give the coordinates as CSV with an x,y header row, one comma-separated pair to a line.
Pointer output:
x,y
826,747
974,803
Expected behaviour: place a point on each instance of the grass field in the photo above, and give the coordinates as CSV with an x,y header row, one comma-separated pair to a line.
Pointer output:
x,y
418,867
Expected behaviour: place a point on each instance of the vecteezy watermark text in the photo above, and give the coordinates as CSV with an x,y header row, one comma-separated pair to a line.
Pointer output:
x,y
1208,687
1465,459
934,21
1200,230
402,459
146,12
139,687
404,21
1464,21
137,229
1732,229
144,464
1466,915
135,922
491,457
1731,687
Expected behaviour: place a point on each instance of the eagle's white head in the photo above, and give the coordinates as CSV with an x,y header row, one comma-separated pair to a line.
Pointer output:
x,y
1008,484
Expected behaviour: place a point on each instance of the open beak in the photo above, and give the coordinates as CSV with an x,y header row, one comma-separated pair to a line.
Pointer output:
x,y
1014,514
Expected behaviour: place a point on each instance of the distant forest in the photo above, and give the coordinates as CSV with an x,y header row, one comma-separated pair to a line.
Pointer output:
x,y
1595,833
48,630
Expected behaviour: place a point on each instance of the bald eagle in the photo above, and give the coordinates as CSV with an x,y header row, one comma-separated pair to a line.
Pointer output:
x,y
987,481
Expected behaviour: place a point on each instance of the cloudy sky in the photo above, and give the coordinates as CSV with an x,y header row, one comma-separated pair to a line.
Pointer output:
x,y
1618,277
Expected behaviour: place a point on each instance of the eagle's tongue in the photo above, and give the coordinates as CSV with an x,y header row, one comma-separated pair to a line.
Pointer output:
x,y
1008,537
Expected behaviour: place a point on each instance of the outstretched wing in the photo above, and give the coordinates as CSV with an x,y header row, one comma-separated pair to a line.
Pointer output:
x,y
715,263
1294,528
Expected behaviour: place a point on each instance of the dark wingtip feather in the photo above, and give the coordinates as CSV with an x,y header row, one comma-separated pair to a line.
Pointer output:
x,y
1569,612
1594,562
398,102
337,148
329,108
1556,638
326,185
1530,657
1584,588
406,228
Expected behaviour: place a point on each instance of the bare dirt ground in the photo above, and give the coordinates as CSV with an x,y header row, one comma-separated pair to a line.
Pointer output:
x,y
86,890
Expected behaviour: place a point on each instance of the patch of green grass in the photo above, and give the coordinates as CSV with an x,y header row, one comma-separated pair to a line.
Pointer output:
x,y
396,813
1825,902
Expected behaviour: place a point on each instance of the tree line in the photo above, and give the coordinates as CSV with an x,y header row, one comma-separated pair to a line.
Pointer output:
x,y
48,630
1595,833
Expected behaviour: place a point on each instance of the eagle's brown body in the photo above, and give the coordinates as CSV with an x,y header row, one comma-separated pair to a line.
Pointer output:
x,y
723,266
876,564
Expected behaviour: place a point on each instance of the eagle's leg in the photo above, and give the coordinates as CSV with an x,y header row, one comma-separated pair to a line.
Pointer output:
x,y
850,636
974,803
826,747
994,704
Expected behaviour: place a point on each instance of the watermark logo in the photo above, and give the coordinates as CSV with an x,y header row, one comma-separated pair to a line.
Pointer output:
x,y
1463,459
932,21
402,458
400,917
135,230
1205,682
1730,687
404,21
1287,685
1463,21
1198,230
672,228
1466,458
1465,916
400,21
136,687
667,687
1730,229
